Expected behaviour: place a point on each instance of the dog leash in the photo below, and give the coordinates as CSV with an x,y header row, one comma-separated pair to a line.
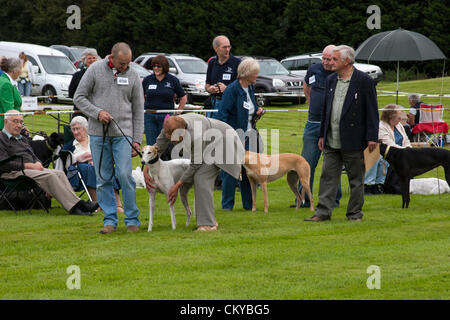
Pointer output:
x,y
105,131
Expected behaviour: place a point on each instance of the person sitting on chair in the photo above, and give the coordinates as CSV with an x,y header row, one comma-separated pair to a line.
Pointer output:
x,y
54,182
82,162
392,133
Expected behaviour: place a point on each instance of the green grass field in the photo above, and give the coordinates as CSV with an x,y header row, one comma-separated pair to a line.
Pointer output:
x,y
251,256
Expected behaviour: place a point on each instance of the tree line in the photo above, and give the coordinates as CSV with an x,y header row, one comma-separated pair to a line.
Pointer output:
x,y
276,28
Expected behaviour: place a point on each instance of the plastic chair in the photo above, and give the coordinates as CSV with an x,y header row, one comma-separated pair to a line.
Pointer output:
x,y
431,126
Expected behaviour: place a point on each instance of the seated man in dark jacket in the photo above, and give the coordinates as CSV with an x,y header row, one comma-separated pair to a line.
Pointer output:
x,y
54,182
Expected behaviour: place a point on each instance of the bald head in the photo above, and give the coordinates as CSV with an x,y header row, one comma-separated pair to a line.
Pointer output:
x,y
173,123
121,56
326,56
222,47
120,47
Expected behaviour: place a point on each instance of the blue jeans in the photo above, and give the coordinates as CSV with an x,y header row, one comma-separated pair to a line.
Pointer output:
x,y
121,149
24,88
153,123
215,105
312,154
375,175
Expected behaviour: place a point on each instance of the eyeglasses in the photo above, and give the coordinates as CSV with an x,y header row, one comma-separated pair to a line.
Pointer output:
x,y
16,121
156,66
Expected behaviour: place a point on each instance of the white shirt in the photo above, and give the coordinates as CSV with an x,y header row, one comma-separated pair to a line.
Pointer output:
x,y
13,82
251,109
79,148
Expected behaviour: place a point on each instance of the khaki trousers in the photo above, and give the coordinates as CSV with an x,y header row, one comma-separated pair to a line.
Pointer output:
x,y
54,182
204,179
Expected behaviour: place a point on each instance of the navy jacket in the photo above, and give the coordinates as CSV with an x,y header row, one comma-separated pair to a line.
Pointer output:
x,y
359,119
232,110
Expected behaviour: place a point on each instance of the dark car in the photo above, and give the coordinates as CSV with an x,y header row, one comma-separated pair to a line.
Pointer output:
x,y
275,79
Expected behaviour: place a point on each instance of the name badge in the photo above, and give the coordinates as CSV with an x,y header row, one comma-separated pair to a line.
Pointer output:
x,y
122,81
152,87
226,76
246,105
312,79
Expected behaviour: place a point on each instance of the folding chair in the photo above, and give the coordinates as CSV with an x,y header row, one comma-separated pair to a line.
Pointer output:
x,y
430,126
8,187
64,163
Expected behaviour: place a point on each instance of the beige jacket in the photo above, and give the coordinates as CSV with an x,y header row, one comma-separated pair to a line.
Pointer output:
x,y
207,141
386,135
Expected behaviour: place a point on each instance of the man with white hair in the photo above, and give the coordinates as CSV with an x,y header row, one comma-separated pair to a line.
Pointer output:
x,y
414,111
54,182
349,125
314,87
222,70
88,57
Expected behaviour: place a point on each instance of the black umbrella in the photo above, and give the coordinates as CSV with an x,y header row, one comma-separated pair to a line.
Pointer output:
x,y
398,45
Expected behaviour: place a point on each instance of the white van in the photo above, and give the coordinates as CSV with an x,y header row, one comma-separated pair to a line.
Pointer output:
x,y
52,69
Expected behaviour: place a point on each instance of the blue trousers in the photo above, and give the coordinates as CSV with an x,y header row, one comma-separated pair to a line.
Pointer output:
x,y
311,153
120,149
153,124
375,175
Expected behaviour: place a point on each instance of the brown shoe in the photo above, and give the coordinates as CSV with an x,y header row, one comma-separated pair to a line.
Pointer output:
x,y
107,229
132,229
317,219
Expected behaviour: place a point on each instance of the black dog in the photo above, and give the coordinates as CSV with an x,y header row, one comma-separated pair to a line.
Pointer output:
x,y
411,162
45,149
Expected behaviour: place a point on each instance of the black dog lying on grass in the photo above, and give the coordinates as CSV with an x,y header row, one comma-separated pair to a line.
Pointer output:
x,y
411,162
47,149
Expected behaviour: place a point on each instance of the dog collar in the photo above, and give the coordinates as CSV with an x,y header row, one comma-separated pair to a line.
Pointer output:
x,y
49,146
386,152
154,160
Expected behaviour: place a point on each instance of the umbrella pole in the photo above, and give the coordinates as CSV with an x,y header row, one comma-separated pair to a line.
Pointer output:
x,y
398,68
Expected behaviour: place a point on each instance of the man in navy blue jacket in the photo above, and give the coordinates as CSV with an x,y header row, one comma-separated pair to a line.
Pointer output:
x,y
349,125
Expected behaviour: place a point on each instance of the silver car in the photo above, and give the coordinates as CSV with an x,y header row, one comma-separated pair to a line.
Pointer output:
x,y
189,69
300,64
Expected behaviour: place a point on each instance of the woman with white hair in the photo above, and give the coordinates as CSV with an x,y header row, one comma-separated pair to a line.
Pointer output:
x,y
88,57
82,159
9,95
240,111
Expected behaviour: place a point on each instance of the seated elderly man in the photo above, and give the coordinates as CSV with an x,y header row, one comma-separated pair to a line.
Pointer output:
x,y
414,113
54,182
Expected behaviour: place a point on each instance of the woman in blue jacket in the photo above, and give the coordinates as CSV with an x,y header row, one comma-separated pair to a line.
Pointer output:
x,y
240,111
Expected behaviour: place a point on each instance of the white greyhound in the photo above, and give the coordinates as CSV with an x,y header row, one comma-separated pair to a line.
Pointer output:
x,y
165,175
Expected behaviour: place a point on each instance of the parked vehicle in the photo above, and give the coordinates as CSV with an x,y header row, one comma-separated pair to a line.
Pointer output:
x,y
53,70
189,69
300,64
274,78
73,53
140,70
